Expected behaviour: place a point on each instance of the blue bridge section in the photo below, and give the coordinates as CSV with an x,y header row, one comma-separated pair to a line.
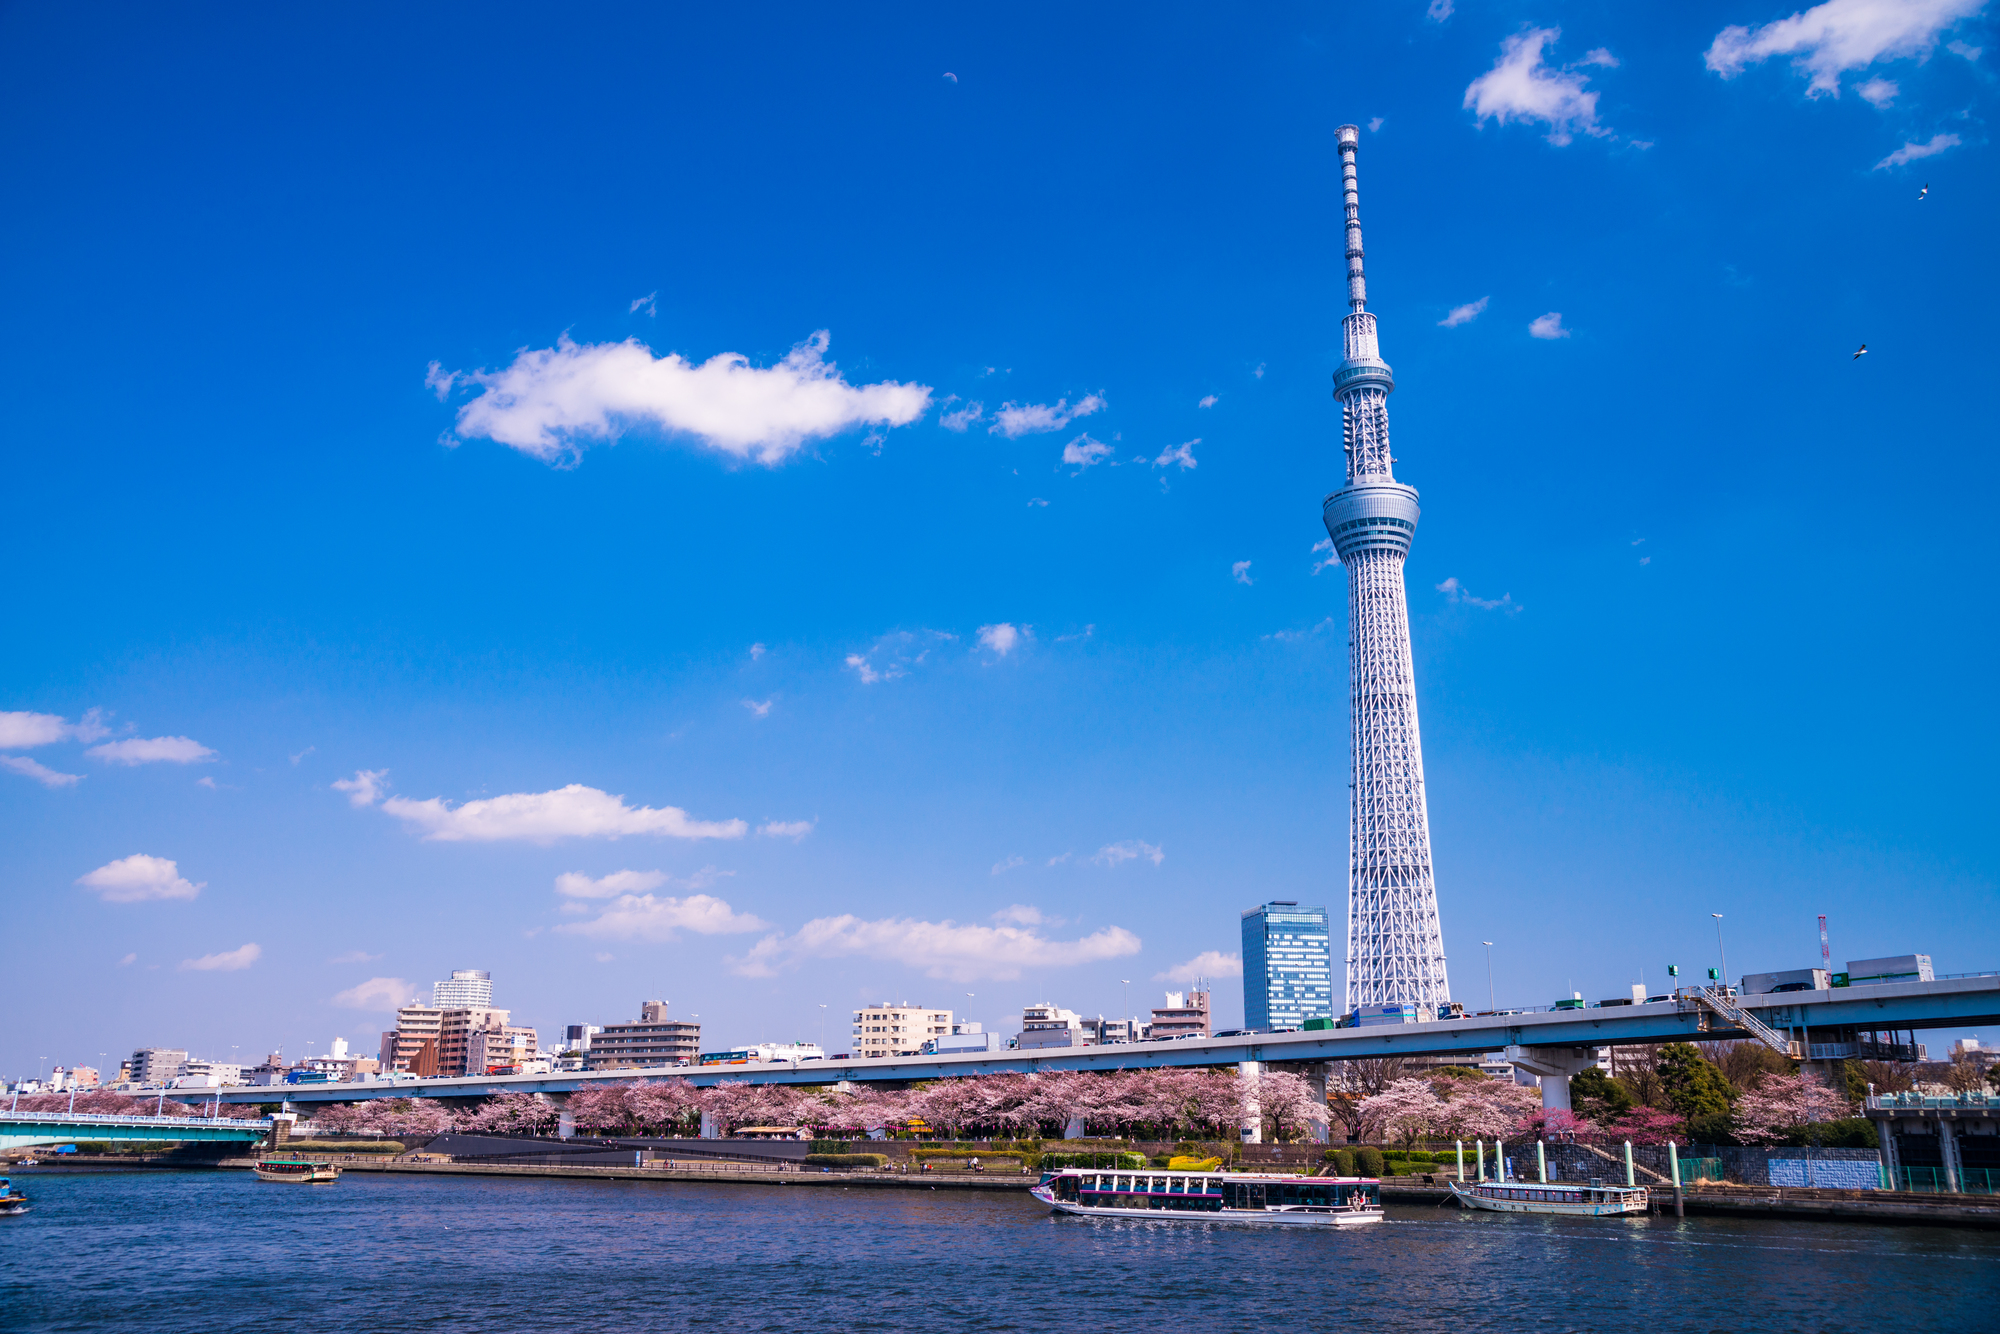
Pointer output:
x,y
20,1130
1953,1003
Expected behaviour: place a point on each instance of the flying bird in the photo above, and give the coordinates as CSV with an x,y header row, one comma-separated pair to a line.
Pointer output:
x,y
1861,352
1921,193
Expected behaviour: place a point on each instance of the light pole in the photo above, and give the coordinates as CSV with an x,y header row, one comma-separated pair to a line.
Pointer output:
x,y
1492,1006
1130,1036
1721,951
822,1028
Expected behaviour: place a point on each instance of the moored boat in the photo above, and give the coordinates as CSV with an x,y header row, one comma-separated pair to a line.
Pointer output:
x,y
11,1201
1213,1197
295,1170
1555,1197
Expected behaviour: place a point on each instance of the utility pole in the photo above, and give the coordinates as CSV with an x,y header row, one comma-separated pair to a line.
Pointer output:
x,y
1492,1006
1721,951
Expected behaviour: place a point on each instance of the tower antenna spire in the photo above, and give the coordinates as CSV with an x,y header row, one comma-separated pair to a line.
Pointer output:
x,y
1395,947
1357,284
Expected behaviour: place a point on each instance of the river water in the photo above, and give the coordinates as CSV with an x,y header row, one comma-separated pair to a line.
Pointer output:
x,y
221,1251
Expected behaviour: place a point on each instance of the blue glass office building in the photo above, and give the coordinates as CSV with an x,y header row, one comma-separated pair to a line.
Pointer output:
x,y
1287,965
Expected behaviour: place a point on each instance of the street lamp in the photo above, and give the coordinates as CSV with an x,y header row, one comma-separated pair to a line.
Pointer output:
x,y
1130,1036
1719,950
1492,1006
822,1028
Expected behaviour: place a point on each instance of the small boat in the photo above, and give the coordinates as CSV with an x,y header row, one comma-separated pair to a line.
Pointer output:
x,y
11,1201
1555,1197
1213,1197
295,1170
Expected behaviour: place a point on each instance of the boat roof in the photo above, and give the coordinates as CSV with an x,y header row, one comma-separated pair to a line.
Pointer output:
x,y
1234,1176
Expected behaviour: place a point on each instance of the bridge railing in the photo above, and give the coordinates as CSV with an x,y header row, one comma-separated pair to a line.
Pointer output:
x,y
1920,1102
105,1119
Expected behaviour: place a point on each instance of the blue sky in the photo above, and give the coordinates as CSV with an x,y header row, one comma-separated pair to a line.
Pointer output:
x,y
352,488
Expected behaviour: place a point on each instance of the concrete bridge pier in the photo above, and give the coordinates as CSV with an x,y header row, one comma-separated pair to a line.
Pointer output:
x,y
1552,1068
1074,1128
1253,1113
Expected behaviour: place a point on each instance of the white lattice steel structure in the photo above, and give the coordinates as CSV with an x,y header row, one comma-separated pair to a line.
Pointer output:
x,y
1395,950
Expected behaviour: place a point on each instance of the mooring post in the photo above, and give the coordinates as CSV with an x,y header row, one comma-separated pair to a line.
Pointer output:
x,y
1674,1160
1629,1180
1461,1159
1542,1160
1479,1147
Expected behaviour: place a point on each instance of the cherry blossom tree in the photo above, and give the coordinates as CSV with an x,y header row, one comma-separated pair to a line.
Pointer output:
x,y
1290,1104
1407,1110
1780,1105
512,1113
1647,1125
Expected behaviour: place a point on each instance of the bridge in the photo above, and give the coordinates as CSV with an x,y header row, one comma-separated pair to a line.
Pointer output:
x,y
21,1130
1551,1043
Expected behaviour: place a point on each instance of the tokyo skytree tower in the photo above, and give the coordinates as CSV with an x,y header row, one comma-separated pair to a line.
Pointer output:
x,y
1395,951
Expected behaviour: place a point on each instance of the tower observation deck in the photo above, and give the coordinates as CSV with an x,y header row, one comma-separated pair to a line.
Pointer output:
x,y
1395,949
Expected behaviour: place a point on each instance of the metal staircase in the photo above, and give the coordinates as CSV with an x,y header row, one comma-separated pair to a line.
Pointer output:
x,y
1720,1005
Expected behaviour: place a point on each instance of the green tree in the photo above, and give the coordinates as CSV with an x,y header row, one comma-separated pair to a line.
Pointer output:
x,y
1697,1090
1598,1097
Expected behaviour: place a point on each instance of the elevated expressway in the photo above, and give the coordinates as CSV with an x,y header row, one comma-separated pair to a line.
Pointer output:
x,y
1551,1039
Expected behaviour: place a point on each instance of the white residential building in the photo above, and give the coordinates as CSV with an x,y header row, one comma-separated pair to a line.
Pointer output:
x,y
1046,1025
897,1030
156,1065
467,989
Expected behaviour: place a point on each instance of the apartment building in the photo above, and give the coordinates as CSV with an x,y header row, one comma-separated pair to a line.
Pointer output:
x,y
897,1030
1044,1025
1185,1015
505,1049
653,1041
412,1046
156,1065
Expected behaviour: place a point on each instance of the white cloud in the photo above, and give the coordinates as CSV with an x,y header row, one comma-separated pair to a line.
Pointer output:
x,y
941,949
552,401
1464,314
1332,557
1548,326
1294,636
1003,638
656,919
1828,40
1520,87
1259,372
1240,571
1878,92
41,773
1207,964
1018,419
575,811
792,829
756,652
1375,124
354,956
377,993
302,754
1439,11
229,961
758,710
1910,152
25,731
1132,849
1964,49
150,750
895,654
1002,867
1036,502
959,418
128,960
1023,914
869,676
650,303
1207,401
1454,591
1182,454
1599,56
577,885
365,788
1083,451
138,878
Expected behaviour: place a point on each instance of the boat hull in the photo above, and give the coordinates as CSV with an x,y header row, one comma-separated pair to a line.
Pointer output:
x,y
321,1175
1259,1217
1594,1202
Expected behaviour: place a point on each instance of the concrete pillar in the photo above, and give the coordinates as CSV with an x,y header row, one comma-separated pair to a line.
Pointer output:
x,y
1552,1067
1319,1132
1954,1178
566,1122
1074,1129
1885,1135
708,1130
1253,1115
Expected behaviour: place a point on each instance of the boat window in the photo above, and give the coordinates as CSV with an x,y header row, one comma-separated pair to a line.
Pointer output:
x,y
1177,1185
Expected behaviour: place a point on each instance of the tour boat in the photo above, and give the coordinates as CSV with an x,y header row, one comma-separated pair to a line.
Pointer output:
x,y
1556,1197
295,1170
1213,1197
11,1201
